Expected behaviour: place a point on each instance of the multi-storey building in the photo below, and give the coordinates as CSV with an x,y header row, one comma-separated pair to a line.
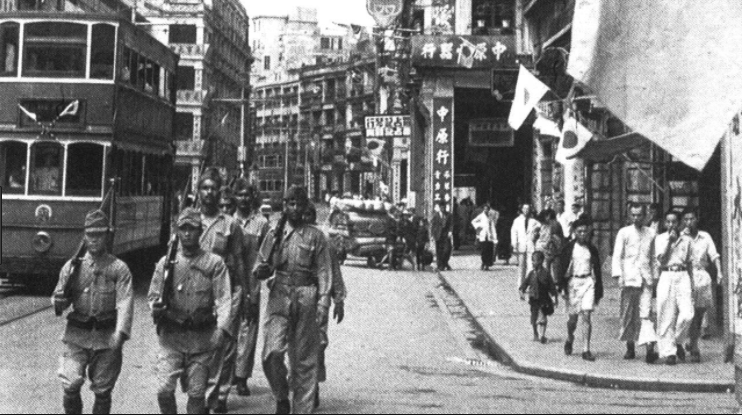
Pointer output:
x,y
211,37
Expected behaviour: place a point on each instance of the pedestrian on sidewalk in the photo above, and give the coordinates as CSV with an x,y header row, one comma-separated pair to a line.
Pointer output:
x,y
441,228
703,256
672,261
632,268
101,295
422,239
299,262
192,310
521,240
254,227
540,288
484,224
549,239
582,284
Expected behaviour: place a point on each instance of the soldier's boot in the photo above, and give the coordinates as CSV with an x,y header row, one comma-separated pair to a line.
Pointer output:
x,y
167,402
197,406
102,404
316,397
72,403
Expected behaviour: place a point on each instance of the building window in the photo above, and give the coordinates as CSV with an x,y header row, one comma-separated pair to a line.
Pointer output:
x,y
184,126
181,33
186,78
324,43
492,16
56,50
9,49
267,63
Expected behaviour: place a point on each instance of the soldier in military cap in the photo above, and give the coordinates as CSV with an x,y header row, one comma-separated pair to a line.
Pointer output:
x,y
99,289
298,304
195,322
222,236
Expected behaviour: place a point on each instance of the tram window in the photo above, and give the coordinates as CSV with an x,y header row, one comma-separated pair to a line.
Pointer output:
x,y
55,50
141,72
133,64
84,169
9,49
13,171
102,51
156,79
46,169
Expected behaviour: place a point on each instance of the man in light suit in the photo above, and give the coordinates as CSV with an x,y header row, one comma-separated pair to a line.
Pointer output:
x,y
522,241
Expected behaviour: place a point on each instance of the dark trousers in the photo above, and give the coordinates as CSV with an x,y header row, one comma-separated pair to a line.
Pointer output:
x,y
488,253
443,252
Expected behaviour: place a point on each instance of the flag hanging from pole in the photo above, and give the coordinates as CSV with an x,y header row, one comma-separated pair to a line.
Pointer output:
x,y
546,126
28,113
575,137
668,69
528,92
71,109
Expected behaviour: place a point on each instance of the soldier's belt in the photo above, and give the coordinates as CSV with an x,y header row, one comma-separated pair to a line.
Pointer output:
x,y
296,279
199,322
674,268
91,323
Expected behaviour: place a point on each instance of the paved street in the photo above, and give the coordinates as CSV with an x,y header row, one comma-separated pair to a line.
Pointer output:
x,y
397,352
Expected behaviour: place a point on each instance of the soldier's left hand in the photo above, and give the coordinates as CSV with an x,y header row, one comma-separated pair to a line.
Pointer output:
x,y
338,313
253,312
321,315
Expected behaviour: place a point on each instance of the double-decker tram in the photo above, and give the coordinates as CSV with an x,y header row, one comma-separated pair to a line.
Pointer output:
x,y
84,98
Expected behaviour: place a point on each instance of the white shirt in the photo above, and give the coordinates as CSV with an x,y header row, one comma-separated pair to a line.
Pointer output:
x,y
566,219
703,250
485,227
632,256
520,237
581,261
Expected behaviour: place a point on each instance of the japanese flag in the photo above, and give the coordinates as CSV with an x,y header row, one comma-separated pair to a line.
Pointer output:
x,y
575,137
528,93
546,126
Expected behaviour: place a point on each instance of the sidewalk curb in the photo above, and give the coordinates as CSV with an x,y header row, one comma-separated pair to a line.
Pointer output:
x,y
499,351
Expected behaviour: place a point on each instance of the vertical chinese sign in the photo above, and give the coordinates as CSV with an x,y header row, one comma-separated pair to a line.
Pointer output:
x,y
443,150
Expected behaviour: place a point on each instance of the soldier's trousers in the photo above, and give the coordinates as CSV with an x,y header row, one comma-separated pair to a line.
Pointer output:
x,y
324,341
247,342
221,368
191,369
103,368
291,329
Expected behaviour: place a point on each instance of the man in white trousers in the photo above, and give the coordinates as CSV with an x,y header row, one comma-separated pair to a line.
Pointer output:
x,y
522,241
672,261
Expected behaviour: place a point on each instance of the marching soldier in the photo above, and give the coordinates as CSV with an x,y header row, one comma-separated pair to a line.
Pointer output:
x,y
195,322
223,237
99,289
299,300
338,293
255,227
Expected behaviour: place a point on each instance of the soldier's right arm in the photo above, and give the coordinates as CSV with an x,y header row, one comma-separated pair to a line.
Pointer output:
x,y
155,287
222,293
59,290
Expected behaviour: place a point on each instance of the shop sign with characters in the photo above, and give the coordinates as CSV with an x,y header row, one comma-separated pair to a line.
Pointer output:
x,y
443,150
464,51
388,126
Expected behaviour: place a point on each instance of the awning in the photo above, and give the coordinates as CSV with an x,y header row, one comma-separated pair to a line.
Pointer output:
x,y
607,149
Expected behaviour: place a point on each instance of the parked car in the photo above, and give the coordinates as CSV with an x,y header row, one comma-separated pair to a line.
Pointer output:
x,y
361,229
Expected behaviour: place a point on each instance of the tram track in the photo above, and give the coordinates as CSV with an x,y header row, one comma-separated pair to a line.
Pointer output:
x,y
15,305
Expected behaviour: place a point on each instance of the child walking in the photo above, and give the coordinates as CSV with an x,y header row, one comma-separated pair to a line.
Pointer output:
x,y
540,288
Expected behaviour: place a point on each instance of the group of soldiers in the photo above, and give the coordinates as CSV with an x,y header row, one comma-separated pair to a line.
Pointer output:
x,y
205,301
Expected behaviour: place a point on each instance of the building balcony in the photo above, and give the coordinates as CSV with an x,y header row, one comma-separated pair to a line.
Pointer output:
x,y
197,98
190,51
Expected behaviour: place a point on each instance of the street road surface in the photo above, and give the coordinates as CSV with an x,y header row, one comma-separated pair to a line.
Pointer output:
x,y
397,352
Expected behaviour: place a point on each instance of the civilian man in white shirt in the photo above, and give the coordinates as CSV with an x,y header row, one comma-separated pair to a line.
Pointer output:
x,y
703,255
522,241
632,267
672,261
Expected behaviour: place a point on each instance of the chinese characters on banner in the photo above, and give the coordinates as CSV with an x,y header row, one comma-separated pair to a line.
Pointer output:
x,y
443,150
387,126
464,51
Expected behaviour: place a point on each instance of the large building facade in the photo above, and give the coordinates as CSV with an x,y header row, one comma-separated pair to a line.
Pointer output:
x,y
213,82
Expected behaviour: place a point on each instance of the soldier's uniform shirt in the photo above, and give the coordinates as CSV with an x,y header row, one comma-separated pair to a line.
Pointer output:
x,y
255,228
703,255
200,282
102,289
674,292
301,285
